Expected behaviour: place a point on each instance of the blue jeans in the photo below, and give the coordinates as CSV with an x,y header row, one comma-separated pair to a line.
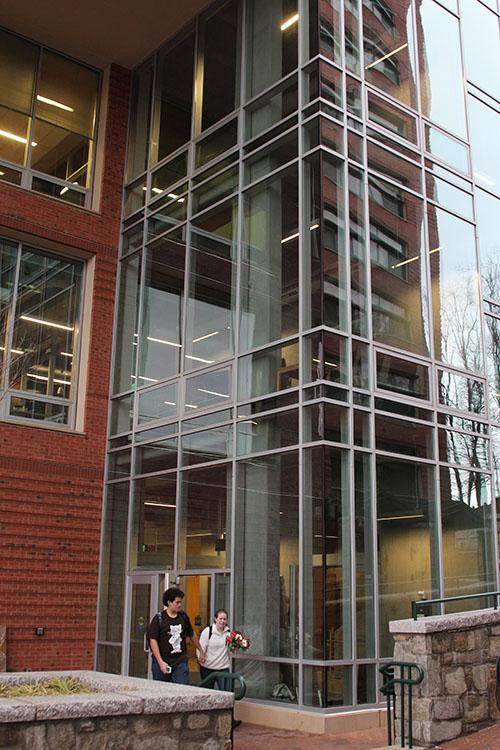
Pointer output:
x,y
179,673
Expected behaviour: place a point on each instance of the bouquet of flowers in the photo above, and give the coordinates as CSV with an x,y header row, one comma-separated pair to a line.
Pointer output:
x,y
236,641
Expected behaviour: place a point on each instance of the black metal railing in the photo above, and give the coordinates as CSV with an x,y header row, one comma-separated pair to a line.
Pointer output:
x,y
417,606
405,680
232,682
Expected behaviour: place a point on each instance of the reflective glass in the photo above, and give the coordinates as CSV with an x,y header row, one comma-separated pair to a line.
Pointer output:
x,y
216,143
271,370
459,392
326,422
159,456
270,681
327,554
408,438
18,66
119,465
268,432
212,287
467,450
447,149
126,325
61,153
207,445
392,118
113,556
455,290
441,76
449,196
209,389
13,145
160,328
8,261
140,120
480,32
153,523
365,568
205,519
488,229
389,48
352,45
492,337
272,108
267,549
402,376
357,250
157,403
325,358
219,32
484,123
270,270
407,540
325,687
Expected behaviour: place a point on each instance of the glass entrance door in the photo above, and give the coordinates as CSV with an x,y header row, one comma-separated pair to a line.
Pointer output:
x,y
144,595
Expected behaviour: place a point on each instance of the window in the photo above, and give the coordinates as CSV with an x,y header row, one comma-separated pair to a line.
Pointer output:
x,y
48,115
40,313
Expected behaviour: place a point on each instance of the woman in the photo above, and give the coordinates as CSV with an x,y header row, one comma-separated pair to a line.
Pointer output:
x,y
213,643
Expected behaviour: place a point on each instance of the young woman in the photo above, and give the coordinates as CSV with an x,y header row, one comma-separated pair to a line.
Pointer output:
x,y
213,644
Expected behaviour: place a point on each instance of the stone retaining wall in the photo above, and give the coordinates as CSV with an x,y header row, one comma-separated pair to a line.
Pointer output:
x,y
458,654
127,714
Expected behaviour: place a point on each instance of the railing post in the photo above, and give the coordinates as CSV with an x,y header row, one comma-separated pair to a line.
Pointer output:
x,y
402,682
410,729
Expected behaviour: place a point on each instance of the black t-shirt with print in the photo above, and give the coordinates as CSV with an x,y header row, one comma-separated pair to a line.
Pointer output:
x,y
171,636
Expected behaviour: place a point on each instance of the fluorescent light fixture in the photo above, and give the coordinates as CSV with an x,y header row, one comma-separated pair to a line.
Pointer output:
x,y
400,518
46,323
212,393
405,262
172,195
144,188
206,336
330,364
161,505
64,190
13,136
66,354
163,341
191,406
170,403
385,57
314,226
14,351
289,22
157,190
200,359
45,378
149,380
2,174
54,103
249,421
289,238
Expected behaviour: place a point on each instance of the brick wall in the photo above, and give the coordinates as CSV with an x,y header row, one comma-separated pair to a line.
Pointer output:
x,y
51,483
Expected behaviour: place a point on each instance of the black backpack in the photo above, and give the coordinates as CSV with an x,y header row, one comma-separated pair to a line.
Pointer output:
x,y
160,616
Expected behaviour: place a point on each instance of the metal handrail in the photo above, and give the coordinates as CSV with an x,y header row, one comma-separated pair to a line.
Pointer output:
x,y
388,689
227,680
416,606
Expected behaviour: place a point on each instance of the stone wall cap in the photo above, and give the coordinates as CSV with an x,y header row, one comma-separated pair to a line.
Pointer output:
x,y
442,623
118,695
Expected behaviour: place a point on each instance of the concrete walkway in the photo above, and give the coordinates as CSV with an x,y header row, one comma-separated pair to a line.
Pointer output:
x,y
253,737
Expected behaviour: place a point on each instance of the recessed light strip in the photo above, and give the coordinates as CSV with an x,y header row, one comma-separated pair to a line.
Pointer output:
x,y
54,103
385,57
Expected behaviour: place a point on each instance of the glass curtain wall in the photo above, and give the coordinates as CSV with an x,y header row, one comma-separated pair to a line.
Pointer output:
x,y
306,375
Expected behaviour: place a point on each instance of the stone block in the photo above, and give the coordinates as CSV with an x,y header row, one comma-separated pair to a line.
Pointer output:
x,y
84,726
459,642
481,677
12,710
454,681
494,649
440,731
495,629
60,734
224,725
113,724
34,737
467,657
177,722
151,724
447,708
476,708
156,743
441,643
481,639
198,721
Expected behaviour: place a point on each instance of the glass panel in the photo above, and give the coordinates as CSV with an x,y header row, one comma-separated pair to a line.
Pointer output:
x,y
392,118
459,392
365,567
455,292
132,240
208,389
449,196
467,450
273,681
205,518
325,358
140,119
361,428
267,549
113,553
484,124
326,422
159,403
268,371
367,684
174,103
56,190
10,175
354,99
402,376
156,433
360,364
325,81
447,149
67,94
270,272
407,561
352,43
205,420
216,143
441,76
8,258
207,445
159,456
492,337
467,522
272,108
216,189
61,153
389,48
119,465
409,438
220,63
121,415
271,157
135,197
171,172
267,433
327,554
153,528
389,164
327,686
126,324
46,325
212,287
488,228
109,658
399,279
357,236
272,36
18,64
160,329
325,29
480,33
139,617
13,136
171,213
324,244
27,408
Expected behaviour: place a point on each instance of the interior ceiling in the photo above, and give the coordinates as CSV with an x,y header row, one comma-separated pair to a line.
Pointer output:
x,y
100,32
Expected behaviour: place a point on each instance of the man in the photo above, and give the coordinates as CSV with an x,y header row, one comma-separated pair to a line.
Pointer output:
x,y
167,637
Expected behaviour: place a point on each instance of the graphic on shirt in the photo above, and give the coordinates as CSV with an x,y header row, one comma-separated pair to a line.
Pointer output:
x,y
175,639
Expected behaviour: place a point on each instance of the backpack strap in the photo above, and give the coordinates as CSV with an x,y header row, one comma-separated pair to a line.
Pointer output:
x,y
209,632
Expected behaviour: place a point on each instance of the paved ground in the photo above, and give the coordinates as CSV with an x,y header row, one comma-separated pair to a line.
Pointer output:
x,y
252,737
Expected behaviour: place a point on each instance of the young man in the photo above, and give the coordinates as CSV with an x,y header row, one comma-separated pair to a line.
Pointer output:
x,y
168,640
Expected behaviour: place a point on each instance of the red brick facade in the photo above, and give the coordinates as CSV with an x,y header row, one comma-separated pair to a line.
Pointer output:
x,y
51,482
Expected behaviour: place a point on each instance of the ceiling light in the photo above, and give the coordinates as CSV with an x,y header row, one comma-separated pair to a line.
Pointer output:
x,y
163,341
400,518
2,174
66,354
144,188
13,136
54,103
289,22
314,226
46,323
289,238
200,359
157,190
191,406
161,505
404,262
150,380
170,403
64,190
14,351
213,393
206,336
172,195
385,57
